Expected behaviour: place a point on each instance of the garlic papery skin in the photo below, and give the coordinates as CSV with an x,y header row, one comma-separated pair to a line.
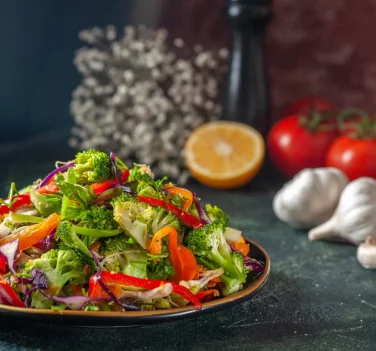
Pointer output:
x,y
310,198
355,217
366,253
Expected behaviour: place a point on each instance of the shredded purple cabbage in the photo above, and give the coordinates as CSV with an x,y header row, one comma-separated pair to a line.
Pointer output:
x,y
114,167
9,252
251,263
38,281
55,171
74,302
203,216
47,243
125,187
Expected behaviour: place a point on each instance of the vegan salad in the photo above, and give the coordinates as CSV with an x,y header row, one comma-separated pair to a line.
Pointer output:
x,y
96,236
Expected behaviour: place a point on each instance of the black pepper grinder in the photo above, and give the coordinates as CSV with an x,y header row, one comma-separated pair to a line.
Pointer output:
x,y
247,96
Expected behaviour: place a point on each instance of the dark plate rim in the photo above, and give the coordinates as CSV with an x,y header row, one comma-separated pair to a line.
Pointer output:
x,y
149,316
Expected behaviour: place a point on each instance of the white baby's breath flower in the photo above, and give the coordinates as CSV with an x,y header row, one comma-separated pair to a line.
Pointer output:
x,y
141,99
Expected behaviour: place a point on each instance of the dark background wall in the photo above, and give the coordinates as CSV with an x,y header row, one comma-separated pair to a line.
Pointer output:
x,y
314,47
37,75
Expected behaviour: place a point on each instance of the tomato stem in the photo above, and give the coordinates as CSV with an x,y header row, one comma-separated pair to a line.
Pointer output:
x,y
364,129
314,119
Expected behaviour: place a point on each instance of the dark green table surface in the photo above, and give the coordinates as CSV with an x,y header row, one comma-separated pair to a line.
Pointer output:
x,y
317,298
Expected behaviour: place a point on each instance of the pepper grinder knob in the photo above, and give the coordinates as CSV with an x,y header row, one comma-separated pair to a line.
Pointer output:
x,y
247,95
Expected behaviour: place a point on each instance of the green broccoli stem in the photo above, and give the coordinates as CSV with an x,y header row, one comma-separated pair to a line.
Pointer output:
x,y
230,283
228,267
17,218
71,178
98,233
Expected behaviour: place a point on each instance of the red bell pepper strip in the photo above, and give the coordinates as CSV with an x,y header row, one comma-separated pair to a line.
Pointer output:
x,y
185,217
109,278
8,296
3,265
203,294
19,200
101,187
50,188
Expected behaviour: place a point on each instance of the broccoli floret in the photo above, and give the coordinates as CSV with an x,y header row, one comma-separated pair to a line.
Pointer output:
x,y
148,190
134,217
164,219
92,166
59,266
159,269
139,219
216,214
139,173
119,242
209,243
99,218
146,185
130,263
69,238
122,254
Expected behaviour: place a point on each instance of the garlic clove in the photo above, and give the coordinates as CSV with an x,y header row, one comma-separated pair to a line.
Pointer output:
x,y
354,218
325,231
310,198
366,253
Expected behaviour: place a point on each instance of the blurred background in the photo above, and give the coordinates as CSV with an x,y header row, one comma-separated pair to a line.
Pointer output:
x,y
310,47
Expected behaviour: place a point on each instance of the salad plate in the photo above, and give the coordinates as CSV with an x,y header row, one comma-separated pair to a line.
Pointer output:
x,y
89,318
96,242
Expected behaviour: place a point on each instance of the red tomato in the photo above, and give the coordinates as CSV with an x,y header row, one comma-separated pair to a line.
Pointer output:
x,y
292,147
304,106
355,157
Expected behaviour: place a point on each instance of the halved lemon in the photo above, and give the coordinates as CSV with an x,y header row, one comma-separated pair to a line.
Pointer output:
x,y
224,154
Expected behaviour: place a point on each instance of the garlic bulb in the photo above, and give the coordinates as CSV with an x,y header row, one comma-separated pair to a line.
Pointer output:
x,y
310,198
355,217
366,253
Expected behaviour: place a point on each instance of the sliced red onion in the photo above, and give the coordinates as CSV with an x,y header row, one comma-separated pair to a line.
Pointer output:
x,y
56,171
9,252
203,216
251,263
